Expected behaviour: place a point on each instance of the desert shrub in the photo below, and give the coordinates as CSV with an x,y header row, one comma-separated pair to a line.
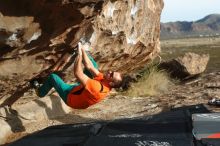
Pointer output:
x,y
152,82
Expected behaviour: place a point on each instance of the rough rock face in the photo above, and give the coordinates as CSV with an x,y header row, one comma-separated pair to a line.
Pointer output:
x,y
123,33
35,35
18,31
194,63
189,65
133,28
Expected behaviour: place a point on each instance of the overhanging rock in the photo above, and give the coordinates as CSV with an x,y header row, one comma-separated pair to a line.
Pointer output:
x,y
124,33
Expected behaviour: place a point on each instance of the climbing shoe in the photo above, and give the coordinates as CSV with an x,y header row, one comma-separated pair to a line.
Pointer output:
x,y
214,101
34,84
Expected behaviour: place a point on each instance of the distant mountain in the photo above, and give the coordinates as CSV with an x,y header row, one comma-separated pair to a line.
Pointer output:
x,y
207,26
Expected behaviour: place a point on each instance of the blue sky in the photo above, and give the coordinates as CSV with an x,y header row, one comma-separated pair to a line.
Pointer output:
x,y
188,10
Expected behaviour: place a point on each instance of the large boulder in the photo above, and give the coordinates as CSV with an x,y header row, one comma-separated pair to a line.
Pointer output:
x,y
194,63
35,34
188,65
124,34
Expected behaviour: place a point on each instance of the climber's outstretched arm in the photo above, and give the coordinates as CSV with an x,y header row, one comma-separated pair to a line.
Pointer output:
x,y
87,62
78,71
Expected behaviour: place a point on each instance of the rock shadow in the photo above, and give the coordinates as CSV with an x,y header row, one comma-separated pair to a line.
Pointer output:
x,y
13,119
62,116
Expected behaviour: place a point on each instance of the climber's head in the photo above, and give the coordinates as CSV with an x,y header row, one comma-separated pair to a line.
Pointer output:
x,y
113,78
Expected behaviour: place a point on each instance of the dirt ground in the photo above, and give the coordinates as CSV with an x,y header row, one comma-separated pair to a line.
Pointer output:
x,y
116,106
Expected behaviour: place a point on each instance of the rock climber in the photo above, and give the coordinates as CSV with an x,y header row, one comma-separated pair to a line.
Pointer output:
x,y
93,85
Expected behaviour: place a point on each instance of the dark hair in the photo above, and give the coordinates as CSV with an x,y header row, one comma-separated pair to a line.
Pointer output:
x,y
118,84
126,82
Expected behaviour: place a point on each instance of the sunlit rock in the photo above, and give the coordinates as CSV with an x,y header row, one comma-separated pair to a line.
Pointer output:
x,y
124,34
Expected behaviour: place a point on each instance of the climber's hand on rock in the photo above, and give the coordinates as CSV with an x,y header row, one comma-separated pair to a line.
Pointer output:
x,y
79,48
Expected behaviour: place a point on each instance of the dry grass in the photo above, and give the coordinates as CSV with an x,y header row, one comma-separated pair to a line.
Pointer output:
x,y
152,82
